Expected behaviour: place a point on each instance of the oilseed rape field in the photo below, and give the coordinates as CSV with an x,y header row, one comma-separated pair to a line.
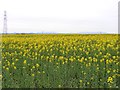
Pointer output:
x,y
60,61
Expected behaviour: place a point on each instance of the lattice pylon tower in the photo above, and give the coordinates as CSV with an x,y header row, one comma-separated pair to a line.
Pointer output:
x,y
5,23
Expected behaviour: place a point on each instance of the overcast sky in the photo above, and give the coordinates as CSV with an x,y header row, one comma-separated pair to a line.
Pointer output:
x,y
63,16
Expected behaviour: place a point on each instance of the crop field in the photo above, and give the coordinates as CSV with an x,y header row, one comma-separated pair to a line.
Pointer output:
x,y
60,61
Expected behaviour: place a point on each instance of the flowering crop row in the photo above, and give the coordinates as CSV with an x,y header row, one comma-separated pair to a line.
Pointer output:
x,y
55,61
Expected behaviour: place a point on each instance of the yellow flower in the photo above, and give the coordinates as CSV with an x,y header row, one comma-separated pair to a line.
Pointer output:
x,y
91,78
13,63
95,60
7,69
33,75
66,61
97,68
114,57
3,66
56,63
108,71
114,70
110,79
24,62
0,75
14,67
16,60
39,72
80,49
107,61
88,83
61,57
101,60
89,58
85,59
37,65
100,53
80,81
33,67
8,63
24,67
59,86
80,60
71,59
86,65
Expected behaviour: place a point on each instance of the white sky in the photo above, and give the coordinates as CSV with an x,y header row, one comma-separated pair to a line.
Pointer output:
x,y
63,16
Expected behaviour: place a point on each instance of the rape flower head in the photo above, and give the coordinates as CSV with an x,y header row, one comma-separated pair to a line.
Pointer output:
x,y
37,65
33,75
110,79
33,67
13,63
43,71
7,69
80,81
24,62
14,67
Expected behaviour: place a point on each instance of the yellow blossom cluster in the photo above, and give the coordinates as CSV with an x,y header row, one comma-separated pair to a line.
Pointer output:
x,y
69,60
